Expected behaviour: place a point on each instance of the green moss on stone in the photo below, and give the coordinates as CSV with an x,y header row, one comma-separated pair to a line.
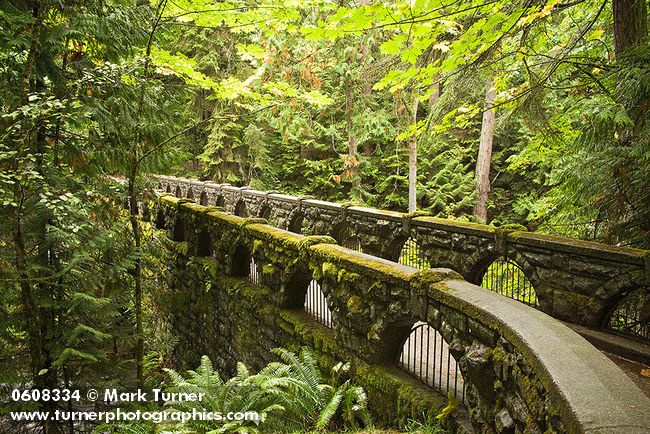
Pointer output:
x,y
512,227
170,200
268,269
271,233
363,263
258,245
461,226
317,273
313,240
355,304
347,276
221,217
329,270
424,280
194,207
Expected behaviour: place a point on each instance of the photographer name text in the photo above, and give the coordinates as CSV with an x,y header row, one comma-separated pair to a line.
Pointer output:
x,y
156,395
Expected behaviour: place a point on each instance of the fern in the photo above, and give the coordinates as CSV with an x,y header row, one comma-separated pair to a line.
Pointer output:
x,y
330,408
288,396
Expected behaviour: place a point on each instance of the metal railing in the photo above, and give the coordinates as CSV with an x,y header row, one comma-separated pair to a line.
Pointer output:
x,y
316,304
505,277
253,275
426,356
631,316
411,255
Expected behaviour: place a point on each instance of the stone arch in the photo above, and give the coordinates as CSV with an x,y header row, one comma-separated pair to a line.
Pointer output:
x,y
296,222
296,288
394,246
477,267
389,346
412,255
630,315
203,200
179,229
240,208
266,212
345,236
303,292
505,276
427,356
160,219
204,246
338,229
240,261
178,192
220,201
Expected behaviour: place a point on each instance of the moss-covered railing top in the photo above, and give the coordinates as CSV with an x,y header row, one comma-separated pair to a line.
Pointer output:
x,y
519,364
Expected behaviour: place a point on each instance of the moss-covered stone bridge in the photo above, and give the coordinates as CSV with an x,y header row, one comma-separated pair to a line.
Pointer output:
x,y
239,286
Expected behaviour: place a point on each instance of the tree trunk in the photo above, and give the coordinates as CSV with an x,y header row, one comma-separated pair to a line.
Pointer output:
x,y
413,156
134,217
630,30
353,160
137,276
630,24
38,322
485,154
435,94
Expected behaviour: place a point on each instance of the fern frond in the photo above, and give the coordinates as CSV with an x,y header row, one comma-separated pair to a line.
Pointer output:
x,y
330,408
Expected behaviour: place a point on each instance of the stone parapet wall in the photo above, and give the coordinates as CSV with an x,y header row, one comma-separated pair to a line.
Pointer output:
x,y
524,371
575,281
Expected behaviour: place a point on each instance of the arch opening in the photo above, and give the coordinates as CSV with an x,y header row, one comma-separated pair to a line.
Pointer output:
x,y
204,244
179,229
241,259
316,304
425,355
220,202
178,193
160,220
295,225
505,277
411,255
296,288
168,189
190,194
267,213
203,199
631,316
240,209
348,239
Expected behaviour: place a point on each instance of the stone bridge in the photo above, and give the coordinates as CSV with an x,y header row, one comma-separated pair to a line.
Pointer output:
x,y
238,287
576,281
